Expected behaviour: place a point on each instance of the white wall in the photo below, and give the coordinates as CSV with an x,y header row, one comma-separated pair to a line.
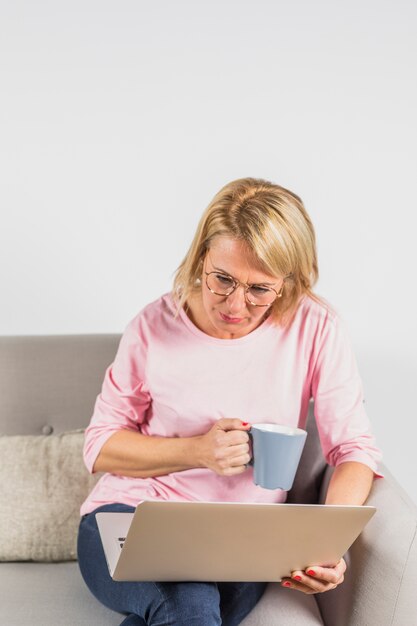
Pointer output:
x,y
120,120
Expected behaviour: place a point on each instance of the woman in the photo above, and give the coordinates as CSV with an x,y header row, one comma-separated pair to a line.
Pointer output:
x,y
241,339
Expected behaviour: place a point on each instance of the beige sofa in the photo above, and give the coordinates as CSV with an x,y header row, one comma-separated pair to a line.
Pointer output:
x,y
47,390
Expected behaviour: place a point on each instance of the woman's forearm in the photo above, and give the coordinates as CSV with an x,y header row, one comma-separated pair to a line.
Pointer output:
x,y
350,483
224,449
128,453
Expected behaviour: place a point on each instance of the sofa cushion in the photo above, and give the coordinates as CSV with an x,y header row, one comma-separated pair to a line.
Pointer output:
x,y
43,483
49,594
284,607
55,595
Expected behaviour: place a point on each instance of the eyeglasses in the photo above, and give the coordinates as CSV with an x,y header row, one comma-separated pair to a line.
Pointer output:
x,y
223,285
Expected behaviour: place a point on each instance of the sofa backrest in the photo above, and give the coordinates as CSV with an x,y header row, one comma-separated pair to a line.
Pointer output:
x,y
48,384
308,480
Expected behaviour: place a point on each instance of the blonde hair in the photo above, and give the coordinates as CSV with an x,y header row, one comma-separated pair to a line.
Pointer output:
x,y
274,224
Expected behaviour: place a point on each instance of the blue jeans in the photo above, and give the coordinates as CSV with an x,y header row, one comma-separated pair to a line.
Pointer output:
x,y
159,603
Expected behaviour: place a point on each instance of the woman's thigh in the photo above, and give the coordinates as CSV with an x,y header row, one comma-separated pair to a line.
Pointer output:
x,y
158,603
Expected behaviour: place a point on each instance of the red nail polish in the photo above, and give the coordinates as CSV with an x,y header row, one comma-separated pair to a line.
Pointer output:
x,y
311,572
287,584
297,578
245,423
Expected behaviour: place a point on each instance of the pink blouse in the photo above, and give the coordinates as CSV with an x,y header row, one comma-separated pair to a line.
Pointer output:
x,y
170,379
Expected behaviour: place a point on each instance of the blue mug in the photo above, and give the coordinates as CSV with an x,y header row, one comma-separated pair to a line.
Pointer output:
x,y
276,453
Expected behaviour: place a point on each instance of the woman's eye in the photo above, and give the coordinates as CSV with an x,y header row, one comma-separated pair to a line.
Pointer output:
x,y
224,280
257,289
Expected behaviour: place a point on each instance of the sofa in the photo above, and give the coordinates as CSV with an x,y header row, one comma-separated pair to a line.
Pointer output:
x,y
48,385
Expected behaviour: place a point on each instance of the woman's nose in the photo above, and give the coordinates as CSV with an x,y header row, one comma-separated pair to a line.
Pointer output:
x,y
236,301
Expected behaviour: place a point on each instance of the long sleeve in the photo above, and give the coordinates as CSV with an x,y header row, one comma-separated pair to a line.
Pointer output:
x,y
342,422
124,398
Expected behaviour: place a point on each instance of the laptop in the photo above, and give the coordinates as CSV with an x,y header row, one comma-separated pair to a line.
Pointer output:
x,y
222,541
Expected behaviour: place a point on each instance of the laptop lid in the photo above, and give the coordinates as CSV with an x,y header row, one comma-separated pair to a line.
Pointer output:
x,y
211,541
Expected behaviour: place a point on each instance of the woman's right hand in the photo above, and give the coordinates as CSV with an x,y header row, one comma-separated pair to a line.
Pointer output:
x,y
225,447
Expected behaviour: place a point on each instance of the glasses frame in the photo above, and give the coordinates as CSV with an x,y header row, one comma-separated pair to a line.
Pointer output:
x,y
237,283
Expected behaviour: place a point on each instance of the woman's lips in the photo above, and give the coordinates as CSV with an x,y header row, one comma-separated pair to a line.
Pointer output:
x,y
230,320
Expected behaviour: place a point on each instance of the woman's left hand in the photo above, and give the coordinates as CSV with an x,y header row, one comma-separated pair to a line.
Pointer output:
x,y
316,579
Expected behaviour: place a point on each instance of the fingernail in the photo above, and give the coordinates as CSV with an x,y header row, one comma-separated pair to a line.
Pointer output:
x,y
286,584
297,578
245,423
311,572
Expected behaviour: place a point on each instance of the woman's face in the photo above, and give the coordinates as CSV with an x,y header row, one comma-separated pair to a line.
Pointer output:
x,y
230,317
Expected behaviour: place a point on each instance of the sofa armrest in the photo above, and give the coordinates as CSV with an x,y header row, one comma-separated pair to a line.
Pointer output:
x,y
379,585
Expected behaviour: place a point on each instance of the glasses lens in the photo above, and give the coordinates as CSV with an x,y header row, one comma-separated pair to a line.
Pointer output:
x,y
219,283
222,284
261,296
